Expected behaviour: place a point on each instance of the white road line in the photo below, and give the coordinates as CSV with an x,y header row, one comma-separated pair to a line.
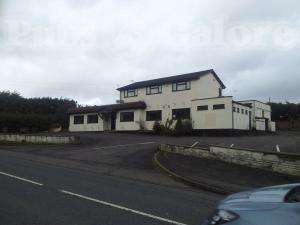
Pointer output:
x,y
122,208
22,179
125,145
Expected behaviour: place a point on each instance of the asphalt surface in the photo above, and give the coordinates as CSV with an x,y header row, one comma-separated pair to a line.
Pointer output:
x,y
31,193
108,179
288,141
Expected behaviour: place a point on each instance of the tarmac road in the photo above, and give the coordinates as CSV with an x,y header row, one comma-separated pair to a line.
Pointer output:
x,y
33,192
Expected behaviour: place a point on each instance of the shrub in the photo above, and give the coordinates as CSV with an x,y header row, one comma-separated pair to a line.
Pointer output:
x,y
183,127
158,128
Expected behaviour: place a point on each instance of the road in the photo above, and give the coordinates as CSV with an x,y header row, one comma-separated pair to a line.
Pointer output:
x,y
36,193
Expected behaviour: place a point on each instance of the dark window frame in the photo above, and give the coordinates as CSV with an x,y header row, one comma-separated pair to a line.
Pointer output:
x,y
134,91
187,85
148,115
218,106
122,114
238,110
92,121
202,107
176,111
149,90
76,118
243,111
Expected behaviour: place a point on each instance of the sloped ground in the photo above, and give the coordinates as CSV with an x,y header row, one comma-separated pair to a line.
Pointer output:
x,y
220,174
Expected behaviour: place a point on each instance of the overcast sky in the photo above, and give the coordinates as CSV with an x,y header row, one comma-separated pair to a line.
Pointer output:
x,y
85,49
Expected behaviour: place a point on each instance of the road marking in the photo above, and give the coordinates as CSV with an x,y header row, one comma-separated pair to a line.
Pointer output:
x,y
125,145
122,208
22,179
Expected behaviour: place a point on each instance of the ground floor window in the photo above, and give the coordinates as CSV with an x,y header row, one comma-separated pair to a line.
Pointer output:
x,y
202,107
92,118
218,106
78,119
153,115
181,114
126,116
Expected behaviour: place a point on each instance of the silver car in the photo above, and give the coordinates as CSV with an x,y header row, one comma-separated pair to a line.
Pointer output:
x,y
277,205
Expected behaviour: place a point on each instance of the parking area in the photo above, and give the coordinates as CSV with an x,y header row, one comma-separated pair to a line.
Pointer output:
x,y
287,141
130,155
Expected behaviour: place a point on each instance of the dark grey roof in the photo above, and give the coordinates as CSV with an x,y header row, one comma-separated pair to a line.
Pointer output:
x,y
177,78
108,108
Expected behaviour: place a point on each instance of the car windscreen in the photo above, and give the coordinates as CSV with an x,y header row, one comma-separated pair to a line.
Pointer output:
x,y
293,196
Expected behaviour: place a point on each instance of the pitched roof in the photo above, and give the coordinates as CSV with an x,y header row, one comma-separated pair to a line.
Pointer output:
x,y
177,78
108,108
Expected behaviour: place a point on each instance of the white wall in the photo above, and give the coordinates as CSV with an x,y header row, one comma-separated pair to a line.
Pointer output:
x,y
212,119
128,126
85,126
241,121
205,87
260,124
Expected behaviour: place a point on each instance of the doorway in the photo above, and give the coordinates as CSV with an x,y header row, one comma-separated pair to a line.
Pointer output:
x,y
113,118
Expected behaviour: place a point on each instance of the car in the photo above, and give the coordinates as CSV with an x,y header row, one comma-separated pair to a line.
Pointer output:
x,y
276,205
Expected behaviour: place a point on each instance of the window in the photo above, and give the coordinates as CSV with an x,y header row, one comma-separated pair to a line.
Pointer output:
x,y
181,114
234,109
246,112
78,119
130,93
220,92
263,114
153,115
92,118
126,116
202,107
152,90
238,110
219,106
181,86
242,111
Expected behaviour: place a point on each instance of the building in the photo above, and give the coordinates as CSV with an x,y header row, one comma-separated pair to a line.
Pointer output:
x,y
195,96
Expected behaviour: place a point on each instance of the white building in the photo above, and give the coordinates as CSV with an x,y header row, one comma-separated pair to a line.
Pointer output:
x,y
194,96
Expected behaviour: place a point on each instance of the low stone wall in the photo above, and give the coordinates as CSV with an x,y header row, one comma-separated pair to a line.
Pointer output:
x,y
39,139
285,163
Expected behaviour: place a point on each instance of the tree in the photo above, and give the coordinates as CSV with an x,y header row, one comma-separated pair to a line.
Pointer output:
x,y
36,114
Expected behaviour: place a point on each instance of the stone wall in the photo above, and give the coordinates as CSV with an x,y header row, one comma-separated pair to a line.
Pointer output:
x,y
39,139
286,163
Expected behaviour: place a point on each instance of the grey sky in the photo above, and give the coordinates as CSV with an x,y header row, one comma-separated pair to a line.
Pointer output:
x,y
84,50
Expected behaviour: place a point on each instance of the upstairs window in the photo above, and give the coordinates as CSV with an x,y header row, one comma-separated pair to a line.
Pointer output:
x,y
153,115
92,118
218,106
234,109
152,90
78,119
242,111
181,86
202,107
126,116
130,93
181,114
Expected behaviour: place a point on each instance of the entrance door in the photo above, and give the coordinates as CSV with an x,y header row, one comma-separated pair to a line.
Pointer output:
x,y
267,124
113,121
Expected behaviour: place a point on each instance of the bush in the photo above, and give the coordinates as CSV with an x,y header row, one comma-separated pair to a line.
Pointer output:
x,y
183,127
158,128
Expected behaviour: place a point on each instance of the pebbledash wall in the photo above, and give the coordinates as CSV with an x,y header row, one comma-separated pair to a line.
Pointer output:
x,y
39,139
285,163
